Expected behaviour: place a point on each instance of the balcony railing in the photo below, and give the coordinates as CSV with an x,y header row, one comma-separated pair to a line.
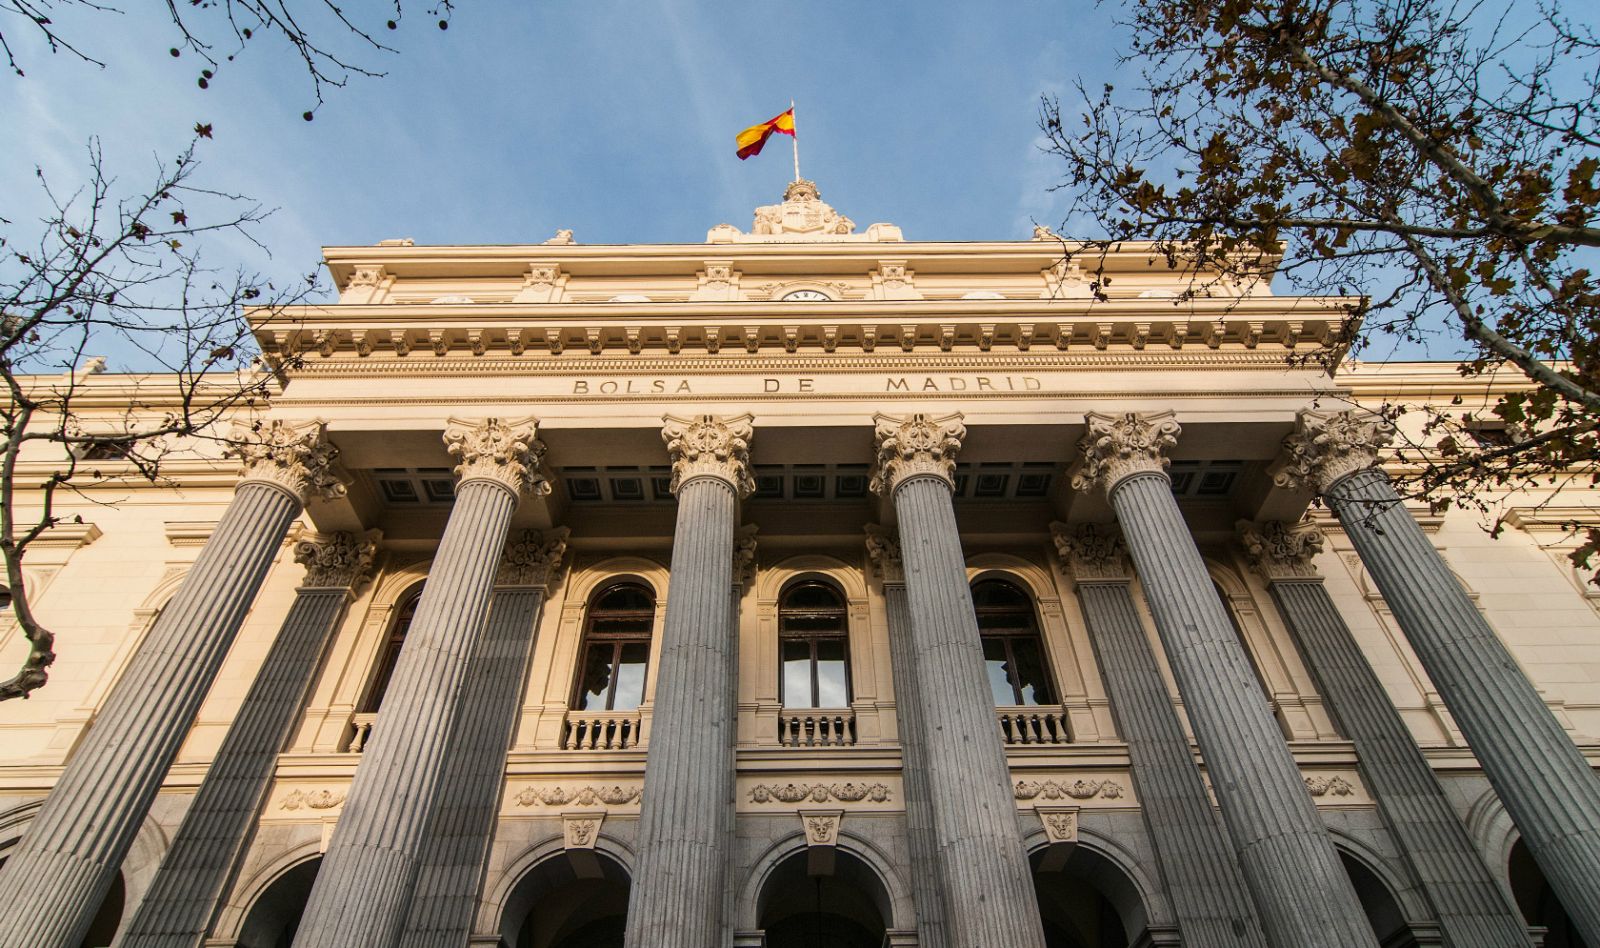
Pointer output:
x,y
1045,724
830,728
360,731
610,730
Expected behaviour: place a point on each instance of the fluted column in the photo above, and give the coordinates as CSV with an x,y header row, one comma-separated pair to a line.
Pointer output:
x,y
53,882
1203,880
1473,908
1301,890
677,899
182,900
451,868
1547,786
363,890
981,862
884,549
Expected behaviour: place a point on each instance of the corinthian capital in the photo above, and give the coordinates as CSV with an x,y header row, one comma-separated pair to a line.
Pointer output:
x,y
296,458
505,452
339,560
1091,552
1277,550
1326,446
916,446
883,547
708,446
1117,446
532,558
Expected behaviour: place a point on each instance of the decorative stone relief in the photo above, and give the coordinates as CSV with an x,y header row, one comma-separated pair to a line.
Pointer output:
x,y
915,446
1326,446
615,795
532,558
311,800
563,237
1334,786
581,830
821,826
1060,823
883,547
1092,551
297,458
340,560
849,792
802,212
1118,446
506,452
708,446
744,554
365,276
1276,550
1077,790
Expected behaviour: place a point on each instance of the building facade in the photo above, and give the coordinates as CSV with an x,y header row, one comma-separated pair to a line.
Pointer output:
x,y
803,587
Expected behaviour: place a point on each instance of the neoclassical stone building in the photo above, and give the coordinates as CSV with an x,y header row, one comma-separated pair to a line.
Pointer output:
x,y
803,588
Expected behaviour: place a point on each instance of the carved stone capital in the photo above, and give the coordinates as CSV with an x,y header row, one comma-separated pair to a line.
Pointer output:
x,y
1326,446
744,554
1117,446
915,446
1277,550
883,546
297,458
532,558
506,452
708,446
338,561
1092,552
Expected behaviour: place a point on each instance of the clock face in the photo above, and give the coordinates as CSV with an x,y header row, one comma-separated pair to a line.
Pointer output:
x,y
807,296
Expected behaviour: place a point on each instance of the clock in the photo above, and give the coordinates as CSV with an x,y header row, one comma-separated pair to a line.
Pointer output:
x,y
807,296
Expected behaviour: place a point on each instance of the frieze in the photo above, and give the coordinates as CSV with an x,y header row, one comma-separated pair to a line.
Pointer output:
x,y
311,800
1076,790
614,795
847,792
1334,786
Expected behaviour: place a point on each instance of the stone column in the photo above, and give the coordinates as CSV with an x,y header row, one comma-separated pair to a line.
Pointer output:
x,y
1301,890
53,882
463,821
1473,908
677,899
363,890
982,864
884,549
182,901
1208,892
1547,786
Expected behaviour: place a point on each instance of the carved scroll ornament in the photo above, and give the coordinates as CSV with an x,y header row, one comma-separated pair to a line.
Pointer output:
x,y
1118,446
505,452
916,446
708,446
297,458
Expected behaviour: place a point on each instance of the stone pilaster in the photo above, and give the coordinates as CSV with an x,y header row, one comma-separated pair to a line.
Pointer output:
x,y
363,891
982,865
53,882
182,901
1203,880
883,547
1547,786
677,899
1301,890
1472,907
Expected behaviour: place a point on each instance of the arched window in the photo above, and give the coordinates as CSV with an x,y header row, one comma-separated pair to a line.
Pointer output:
x,y
814,647
1012,649
390,655
616,649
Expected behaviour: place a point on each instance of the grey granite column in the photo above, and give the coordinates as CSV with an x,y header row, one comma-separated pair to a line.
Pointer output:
x,y
1473,908
53,882
1301,890
363,890
451,869
884,549
1203,880
678,894
1547,786
981,860
184,896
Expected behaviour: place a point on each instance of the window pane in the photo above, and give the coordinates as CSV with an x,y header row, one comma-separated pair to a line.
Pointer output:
x,y
630,676
833,685
994,656
797,673
596,680
1031,673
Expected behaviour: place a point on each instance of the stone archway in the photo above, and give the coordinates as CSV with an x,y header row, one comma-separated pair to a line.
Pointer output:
x,y
1089,902
850,908
562,903
1384,913
274,917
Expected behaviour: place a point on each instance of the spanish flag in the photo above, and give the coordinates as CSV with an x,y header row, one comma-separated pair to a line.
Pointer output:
x,y
753,138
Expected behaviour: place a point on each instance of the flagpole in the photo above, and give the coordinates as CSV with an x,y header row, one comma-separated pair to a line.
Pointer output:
x,y
795,141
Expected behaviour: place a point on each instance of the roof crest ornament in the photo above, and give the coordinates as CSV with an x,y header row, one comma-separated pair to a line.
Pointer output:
x,y
802,216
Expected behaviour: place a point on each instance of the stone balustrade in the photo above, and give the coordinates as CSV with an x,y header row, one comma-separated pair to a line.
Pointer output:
x,y
600,730
360,731
833,727
1044,724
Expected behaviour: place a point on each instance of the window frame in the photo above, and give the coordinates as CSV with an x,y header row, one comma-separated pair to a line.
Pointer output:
x,y
645,635
811,638
1007,636
389,652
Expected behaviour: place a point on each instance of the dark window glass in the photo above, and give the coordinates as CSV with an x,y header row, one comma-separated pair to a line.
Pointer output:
x,y
616,650
813,647
390,654
1012,651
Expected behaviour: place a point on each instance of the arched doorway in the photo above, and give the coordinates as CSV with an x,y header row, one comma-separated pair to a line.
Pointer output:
x,y
275,916
846,909
1088,903
1538,901
560,903
1384,914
